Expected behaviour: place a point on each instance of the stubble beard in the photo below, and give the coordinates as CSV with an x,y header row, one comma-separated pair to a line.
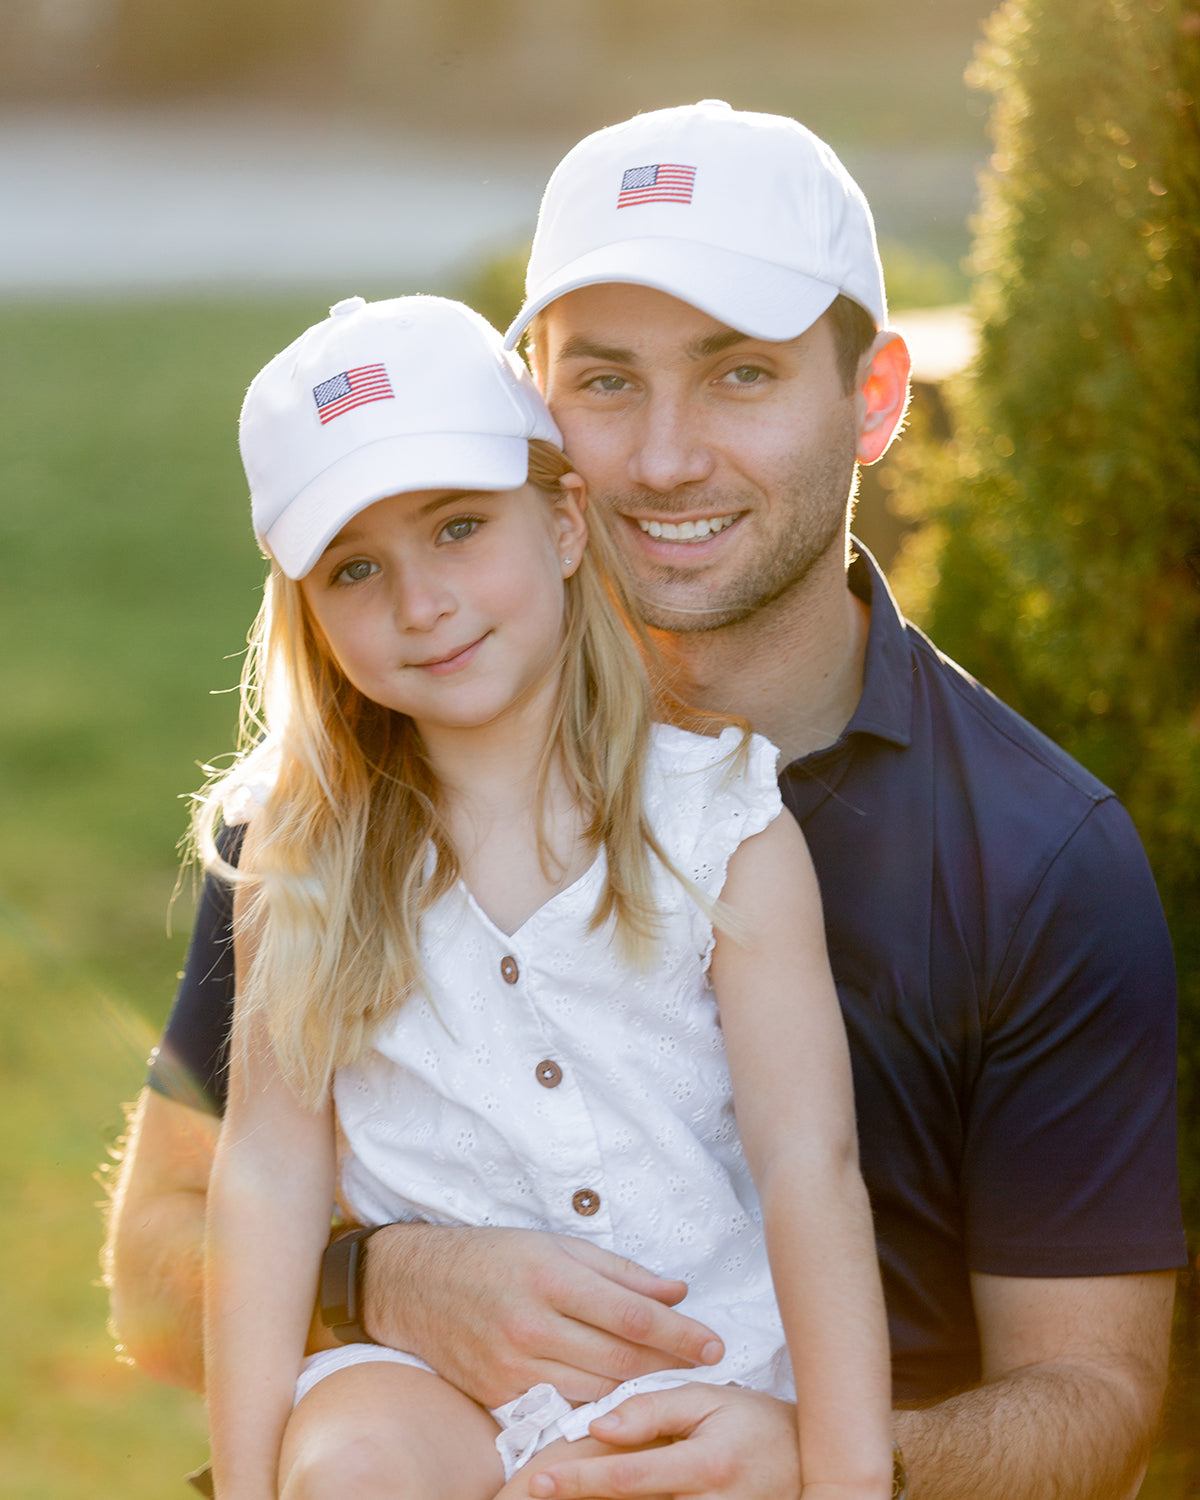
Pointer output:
x,y
814,495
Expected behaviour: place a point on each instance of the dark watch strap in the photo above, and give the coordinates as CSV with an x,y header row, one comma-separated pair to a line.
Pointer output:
x,y
341,1286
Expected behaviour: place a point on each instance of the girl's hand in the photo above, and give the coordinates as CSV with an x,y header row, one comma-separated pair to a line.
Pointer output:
x,y
735,1444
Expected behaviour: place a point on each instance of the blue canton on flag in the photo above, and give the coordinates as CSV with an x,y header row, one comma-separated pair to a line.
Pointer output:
x,y
664,182
330,390
341,393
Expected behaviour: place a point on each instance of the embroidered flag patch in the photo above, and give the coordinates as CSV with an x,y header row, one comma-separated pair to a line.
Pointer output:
x,y
351,388
667,182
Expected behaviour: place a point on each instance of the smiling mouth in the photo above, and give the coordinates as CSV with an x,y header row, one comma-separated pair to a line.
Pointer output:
x,y
450,660
687,531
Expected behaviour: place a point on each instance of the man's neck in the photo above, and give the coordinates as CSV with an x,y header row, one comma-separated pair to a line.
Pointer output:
x,y
794,669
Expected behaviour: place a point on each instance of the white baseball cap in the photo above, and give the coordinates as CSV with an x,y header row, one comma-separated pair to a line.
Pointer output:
x,y
749,217
414,393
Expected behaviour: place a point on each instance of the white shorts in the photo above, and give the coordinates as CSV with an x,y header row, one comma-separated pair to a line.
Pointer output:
x,y
541,1415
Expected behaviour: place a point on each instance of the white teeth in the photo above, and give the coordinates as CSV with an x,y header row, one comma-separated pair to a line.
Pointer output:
x,y
687,531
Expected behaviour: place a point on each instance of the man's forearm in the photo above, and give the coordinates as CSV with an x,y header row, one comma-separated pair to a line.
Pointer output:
x,y
1049,1432
153,1255
155,1277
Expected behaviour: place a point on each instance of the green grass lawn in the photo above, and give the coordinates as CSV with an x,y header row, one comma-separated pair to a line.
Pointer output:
x,y
128,577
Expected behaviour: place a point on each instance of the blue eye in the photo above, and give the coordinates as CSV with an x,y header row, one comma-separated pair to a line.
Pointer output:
x,y
745,375
460,528
355,571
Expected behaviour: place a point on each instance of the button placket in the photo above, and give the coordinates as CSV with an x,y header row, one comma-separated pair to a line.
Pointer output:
x,y
548,1073
586,1202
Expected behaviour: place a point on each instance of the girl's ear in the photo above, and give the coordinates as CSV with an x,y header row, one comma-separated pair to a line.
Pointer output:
x,y
570,522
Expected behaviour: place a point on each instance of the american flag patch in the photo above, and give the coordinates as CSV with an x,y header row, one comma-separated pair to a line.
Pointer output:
x,y
665,183
350,389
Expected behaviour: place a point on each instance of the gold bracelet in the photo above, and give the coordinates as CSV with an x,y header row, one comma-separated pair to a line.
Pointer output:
x,y
899,1473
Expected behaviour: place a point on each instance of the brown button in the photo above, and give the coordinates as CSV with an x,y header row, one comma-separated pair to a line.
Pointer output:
x,y
549,1074
586,1202
508,969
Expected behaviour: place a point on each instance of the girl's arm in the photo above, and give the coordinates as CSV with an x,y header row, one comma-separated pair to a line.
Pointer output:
x,y
790,1065
269,1209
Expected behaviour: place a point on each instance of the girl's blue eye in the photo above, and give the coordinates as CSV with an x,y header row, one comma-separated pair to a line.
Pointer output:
x,y
355,571
460,528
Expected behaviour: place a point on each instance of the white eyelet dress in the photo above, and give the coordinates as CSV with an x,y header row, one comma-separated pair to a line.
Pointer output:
x,y
546,1085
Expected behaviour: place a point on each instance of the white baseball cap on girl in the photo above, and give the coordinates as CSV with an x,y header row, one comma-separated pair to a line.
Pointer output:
x,y
412,393
749,217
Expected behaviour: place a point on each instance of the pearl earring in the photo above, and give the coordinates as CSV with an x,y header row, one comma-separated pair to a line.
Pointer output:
x,y
566,562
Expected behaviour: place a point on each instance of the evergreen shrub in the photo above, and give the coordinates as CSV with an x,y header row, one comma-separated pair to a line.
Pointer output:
x,y
1057,550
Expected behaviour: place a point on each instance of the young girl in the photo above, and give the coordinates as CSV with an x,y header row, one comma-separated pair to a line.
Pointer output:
x,y
475,912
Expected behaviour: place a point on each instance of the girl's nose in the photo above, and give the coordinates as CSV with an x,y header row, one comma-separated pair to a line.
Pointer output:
x,y
420,598
669,449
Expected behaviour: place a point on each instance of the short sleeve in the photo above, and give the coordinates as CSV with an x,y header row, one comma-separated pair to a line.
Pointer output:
x,y
189,1064
1070,1152
250,784
706,796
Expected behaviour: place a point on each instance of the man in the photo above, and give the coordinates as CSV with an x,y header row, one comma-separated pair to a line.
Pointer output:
x,y
708,323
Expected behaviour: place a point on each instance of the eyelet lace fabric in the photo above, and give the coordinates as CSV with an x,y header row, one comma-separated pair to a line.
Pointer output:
x,y
633,1145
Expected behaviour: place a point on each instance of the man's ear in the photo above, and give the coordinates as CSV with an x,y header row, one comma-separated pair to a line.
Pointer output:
x,y
882,395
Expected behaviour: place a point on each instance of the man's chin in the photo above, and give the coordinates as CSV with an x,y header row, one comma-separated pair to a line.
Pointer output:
x,y
682,617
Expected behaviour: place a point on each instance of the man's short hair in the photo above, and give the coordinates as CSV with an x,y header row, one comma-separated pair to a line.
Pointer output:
x,y
853,333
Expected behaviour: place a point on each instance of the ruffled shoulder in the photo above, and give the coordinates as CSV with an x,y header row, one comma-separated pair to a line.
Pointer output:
x,y
249,784
703,798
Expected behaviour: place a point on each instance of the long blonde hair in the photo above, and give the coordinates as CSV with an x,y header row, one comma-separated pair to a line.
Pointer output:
x,y
336,862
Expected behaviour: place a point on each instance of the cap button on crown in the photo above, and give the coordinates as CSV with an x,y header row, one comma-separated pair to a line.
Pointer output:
x,y
347,305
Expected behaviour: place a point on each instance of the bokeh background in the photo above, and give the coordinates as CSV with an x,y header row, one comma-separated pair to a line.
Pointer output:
x,y
183,187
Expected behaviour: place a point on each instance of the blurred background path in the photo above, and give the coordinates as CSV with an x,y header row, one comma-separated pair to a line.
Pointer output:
x,y
205,196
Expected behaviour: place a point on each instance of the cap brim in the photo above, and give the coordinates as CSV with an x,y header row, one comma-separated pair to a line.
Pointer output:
x,y
756,297
391,466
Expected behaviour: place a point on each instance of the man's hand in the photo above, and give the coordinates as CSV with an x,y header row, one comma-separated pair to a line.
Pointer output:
x,y
497,1311
733,1444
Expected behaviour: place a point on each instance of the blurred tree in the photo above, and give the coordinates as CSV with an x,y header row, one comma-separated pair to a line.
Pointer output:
x,y
1060,559
496,287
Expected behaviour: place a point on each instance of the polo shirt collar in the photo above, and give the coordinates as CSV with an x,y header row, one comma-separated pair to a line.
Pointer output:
x,y
886,705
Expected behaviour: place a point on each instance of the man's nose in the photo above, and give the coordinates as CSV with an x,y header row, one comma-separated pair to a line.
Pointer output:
x,y
669,449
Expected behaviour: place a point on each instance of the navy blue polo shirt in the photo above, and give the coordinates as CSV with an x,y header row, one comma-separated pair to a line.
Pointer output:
x,y
1007,982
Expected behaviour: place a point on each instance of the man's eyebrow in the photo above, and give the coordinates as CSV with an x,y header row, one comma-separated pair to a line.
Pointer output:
x,y
716,343
583,347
